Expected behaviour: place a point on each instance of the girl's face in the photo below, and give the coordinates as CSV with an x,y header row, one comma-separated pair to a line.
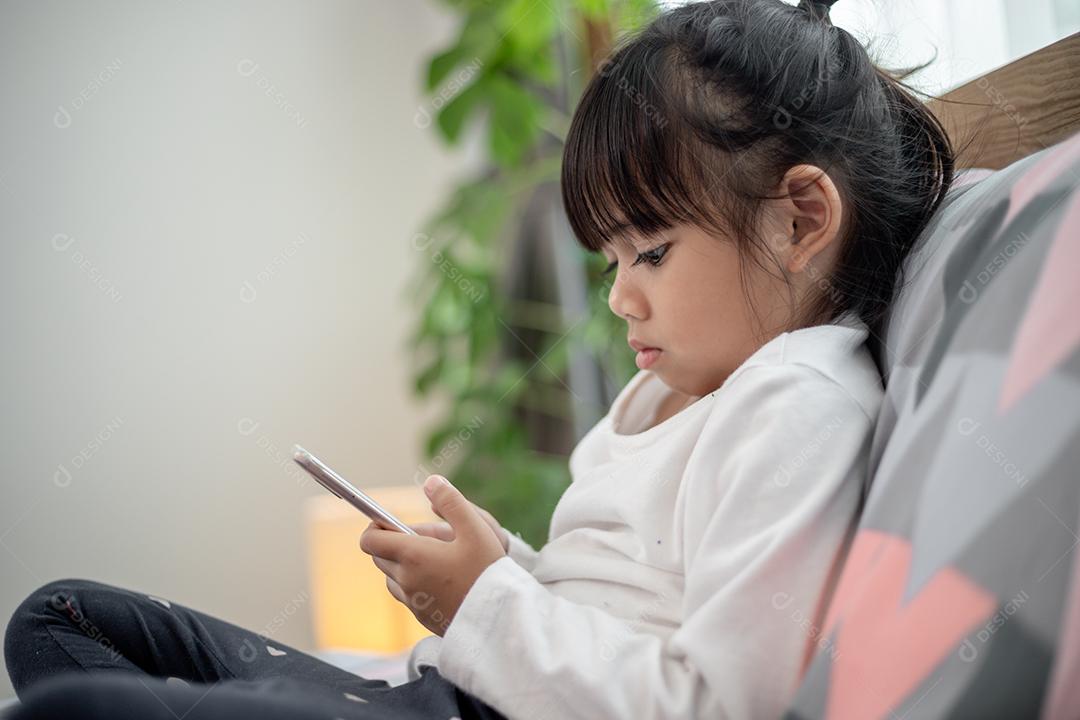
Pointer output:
x,y
682,292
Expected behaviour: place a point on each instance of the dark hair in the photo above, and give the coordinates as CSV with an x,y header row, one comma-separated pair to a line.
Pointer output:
x,y
728,95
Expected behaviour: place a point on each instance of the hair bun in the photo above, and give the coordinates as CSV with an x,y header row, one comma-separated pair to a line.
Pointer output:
x,y
819,9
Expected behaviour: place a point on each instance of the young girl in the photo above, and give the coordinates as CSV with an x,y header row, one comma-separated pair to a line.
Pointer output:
x,y
755,183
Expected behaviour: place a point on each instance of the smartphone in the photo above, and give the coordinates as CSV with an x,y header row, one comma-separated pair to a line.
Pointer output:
x,y
342,488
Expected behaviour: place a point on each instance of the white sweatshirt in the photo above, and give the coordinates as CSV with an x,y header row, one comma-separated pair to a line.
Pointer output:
x,y
688,565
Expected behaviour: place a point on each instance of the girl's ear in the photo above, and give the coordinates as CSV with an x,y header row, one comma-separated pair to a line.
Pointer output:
x,y
812,211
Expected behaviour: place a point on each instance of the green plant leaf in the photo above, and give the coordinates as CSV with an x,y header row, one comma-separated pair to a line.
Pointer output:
x,y
506,65
424,380
452,116
442,64
530,25
514,120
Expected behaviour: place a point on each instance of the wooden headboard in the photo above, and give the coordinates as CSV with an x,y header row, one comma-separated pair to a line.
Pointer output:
x,y
1016,110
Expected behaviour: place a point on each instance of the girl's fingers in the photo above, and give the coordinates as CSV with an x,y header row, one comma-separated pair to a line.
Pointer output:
x,y
395,590
384,543
484,513
437,530
388,567
500,532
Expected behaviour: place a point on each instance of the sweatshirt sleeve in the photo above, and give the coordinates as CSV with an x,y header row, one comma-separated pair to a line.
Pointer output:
x,y
771,491
521,552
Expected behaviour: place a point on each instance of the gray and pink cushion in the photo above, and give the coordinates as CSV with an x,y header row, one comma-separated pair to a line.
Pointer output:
x,y
961,593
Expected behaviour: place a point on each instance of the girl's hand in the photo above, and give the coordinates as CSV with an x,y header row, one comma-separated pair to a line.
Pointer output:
x,y
431,574
443,531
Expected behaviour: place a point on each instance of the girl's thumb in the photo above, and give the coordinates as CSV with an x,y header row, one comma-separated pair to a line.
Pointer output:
x,y
433,483
448,502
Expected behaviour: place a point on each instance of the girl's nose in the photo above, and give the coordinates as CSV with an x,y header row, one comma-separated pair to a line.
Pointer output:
x,y
626,299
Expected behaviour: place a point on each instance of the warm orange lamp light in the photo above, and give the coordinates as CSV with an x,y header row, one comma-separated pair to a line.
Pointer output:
x,y
352,608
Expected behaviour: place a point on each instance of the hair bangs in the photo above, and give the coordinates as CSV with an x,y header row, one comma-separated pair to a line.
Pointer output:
x,y
628,168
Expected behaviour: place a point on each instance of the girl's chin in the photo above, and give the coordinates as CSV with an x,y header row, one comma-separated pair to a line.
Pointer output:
x,y
681,383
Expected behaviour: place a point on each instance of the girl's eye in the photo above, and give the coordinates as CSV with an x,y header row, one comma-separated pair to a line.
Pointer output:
x,y
654,256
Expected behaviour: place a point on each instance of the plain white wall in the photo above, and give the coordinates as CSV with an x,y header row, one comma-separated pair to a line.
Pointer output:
x,y
206,212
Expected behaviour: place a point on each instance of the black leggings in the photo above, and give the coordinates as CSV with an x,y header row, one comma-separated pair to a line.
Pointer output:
x,y
84,649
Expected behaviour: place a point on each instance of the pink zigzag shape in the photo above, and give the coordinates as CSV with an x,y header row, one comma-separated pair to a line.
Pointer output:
x,y
884,648
1063,696
1039,176
1050,328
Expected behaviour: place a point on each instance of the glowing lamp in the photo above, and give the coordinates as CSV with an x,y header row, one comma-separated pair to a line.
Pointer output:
x,y
352,609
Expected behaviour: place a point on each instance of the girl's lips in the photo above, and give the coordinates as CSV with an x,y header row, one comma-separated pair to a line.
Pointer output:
x,y
646,357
